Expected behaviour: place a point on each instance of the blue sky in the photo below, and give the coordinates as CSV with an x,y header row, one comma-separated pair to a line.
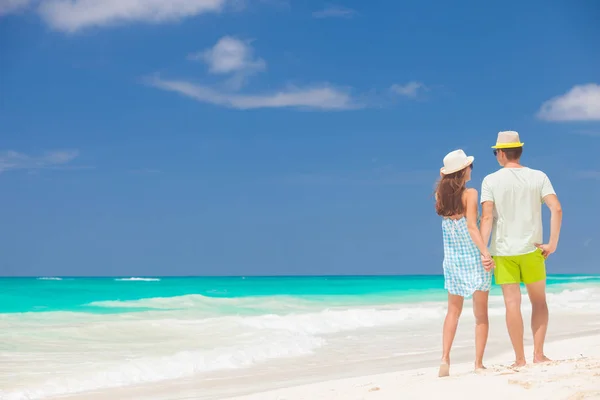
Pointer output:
x,y
279,137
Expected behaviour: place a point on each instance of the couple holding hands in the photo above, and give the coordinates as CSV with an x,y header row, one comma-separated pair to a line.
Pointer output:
x,y
511,200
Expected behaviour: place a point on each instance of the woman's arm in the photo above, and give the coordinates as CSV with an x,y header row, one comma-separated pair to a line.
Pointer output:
x,y
471,214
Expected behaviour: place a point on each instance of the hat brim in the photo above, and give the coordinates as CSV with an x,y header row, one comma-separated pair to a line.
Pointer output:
x,y
507,145
445,171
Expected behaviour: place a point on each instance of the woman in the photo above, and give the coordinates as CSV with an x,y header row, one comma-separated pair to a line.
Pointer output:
x,y
467,261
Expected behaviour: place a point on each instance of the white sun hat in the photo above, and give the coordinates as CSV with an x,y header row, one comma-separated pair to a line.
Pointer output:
x,y
455,161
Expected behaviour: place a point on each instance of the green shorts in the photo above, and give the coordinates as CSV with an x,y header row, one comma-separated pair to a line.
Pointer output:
x,y
524,268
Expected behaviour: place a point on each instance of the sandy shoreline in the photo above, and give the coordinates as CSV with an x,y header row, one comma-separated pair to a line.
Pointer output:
x,y
574,375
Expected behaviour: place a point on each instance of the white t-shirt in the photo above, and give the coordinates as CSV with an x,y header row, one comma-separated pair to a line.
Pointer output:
x,y
517,194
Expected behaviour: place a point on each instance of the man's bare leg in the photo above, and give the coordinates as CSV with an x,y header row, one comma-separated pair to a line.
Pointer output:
x,y
539,318
514,320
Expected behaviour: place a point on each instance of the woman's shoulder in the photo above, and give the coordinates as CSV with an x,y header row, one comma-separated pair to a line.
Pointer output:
x,y
470,192
470,196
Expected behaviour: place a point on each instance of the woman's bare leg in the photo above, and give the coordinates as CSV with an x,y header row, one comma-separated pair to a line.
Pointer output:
x,y
455,305
482,325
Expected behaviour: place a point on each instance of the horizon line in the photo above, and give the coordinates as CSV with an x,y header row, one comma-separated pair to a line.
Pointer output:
x,y
253,276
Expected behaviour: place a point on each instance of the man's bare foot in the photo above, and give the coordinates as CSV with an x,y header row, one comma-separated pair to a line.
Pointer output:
x,y
444,369
519,363
541,359
480,368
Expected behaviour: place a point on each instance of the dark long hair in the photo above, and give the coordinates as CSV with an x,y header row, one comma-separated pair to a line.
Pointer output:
x,y
449,192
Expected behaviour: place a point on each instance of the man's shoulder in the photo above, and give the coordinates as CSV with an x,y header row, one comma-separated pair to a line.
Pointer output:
x,y
493,175
536,172
535,176
507,172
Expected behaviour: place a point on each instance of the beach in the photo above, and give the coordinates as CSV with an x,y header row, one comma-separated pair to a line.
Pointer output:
x,y
279,338
574,375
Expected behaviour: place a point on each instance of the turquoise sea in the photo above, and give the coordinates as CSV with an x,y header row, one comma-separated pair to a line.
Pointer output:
x,y
98,295
70,336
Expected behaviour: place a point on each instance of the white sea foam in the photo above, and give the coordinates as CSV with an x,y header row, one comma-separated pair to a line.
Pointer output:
x,y
333,321
49,278
571,292
581,300
179,365
176,302
134,279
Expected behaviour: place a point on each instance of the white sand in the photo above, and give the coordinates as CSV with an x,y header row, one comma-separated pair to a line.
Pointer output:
x,y
575,375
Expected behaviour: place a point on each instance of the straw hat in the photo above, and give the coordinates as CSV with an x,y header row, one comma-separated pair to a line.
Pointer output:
x,y
455,161
508,140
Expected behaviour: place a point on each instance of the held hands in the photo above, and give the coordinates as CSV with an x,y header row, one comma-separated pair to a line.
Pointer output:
x,y
546,249
487,261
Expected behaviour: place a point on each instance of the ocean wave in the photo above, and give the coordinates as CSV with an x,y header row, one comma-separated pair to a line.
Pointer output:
x,y
49,278
562,295
586,299
180,365
134,279
160,303
573,278
333,321
214,304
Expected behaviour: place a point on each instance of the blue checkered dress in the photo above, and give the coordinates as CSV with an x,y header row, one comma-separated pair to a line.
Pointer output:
x,y
463,270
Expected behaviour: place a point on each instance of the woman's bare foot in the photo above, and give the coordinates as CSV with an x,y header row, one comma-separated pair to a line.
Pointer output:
x,y
444,369
519,363
541,359
479,364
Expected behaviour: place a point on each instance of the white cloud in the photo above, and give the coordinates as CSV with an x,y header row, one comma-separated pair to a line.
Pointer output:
x,y
321,97
411,89
73,15
235,58
231,56
11,6
333,11
12,160
581,103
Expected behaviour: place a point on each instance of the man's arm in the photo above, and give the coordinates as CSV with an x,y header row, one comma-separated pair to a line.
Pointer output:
x,y
553,204
487,220
548,196
471,214
474,232
487,211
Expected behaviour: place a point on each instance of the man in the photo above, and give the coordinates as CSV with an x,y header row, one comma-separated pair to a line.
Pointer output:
x,y
512,200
